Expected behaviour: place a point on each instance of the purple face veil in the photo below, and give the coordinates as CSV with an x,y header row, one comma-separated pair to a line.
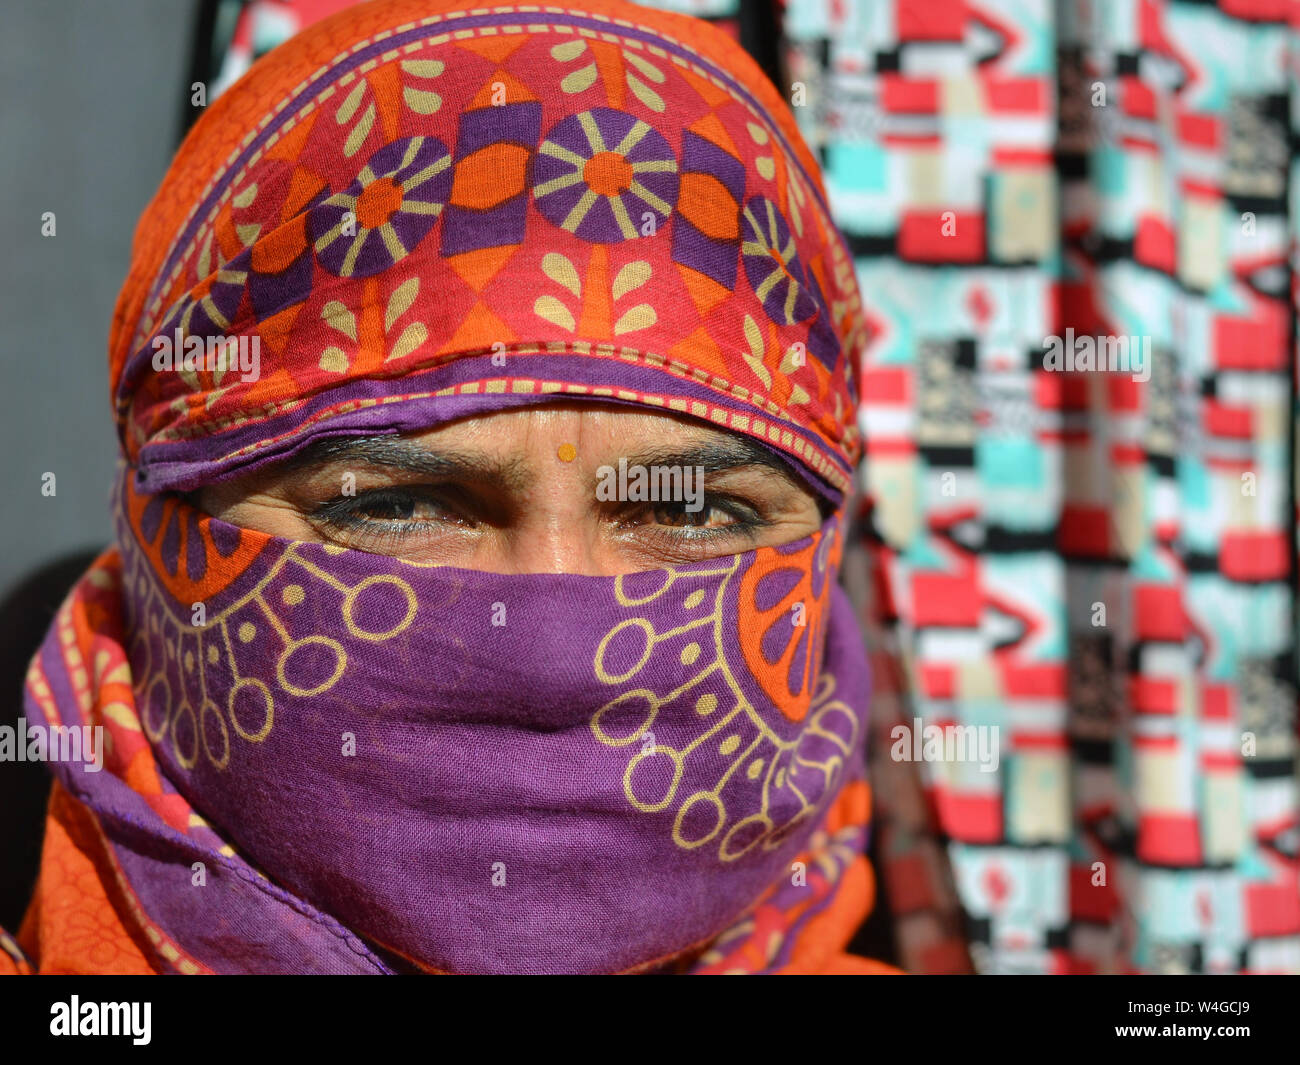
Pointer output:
x,y
480,772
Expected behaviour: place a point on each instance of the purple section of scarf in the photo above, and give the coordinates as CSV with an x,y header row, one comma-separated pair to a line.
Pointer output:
x,y
236,921
488,773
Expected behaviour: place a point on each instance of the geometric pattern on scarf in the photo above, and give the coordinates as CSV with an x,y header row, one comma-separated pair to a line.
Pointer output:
x,y
385,213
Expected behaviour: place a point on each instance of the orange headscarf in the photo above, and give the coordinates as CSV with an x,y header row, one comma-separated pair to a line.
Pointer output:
x,y
368,203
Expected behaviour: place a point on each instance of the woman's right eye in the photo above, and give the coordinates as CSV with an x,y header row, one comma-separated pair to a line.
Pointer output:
x,y
399,511
388,505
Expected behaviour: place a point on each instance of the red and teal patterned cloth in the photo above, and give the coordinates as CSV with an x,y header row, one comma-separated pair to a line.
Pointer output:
x,y
1100,565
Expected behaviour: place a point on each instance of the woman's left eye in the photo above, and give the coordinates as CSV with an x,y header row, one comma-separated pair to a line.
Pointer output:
x,y
676,515
717,517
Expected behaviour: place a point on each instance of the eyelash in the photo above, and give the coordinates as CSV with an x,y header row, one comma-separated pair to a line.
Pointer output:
x,y
744,519
345,513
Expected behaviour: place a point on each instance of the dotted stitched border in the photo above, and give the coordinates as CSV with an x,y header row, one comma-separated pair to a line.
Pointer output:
x,y
746,423
599,349
75,670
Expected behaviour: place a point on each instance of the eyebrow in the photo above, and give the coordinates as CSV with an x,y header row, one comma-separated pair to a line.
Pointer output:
x,y
394,453
716,457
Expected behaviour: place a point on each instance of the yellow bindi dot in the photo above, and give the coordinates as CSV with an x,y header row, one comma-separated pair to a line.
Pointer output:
x,y
567,453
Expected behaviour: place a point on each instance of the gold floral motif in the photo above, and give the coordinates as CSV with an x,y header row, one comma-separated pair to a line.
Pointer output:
x,y
186,647
728,724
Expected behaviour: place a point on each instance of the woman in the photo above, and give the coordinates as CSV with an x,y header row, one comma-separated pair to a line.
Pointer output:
x,y
485,391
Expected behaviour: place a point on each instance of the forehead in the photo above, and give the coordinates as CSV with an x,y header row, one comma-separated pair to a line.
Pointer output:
x,y
619,425
507,446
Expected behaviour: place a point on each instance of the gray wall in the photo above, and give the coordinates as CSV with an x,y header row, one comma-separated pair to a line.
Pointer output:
x,y
90,98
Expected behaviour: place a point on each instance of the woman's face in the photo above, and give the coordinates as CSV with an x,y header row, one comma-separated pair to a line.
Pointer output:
x,y
533,490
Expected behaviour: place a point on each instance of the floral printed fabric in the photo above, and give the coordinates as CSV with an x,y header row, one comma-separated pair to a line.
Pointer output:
x,y
654,202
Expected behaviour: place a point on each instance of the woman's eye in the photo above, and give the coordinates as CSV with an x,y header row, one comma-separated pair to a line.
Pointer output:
x,y
388,508
719,518
676,515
